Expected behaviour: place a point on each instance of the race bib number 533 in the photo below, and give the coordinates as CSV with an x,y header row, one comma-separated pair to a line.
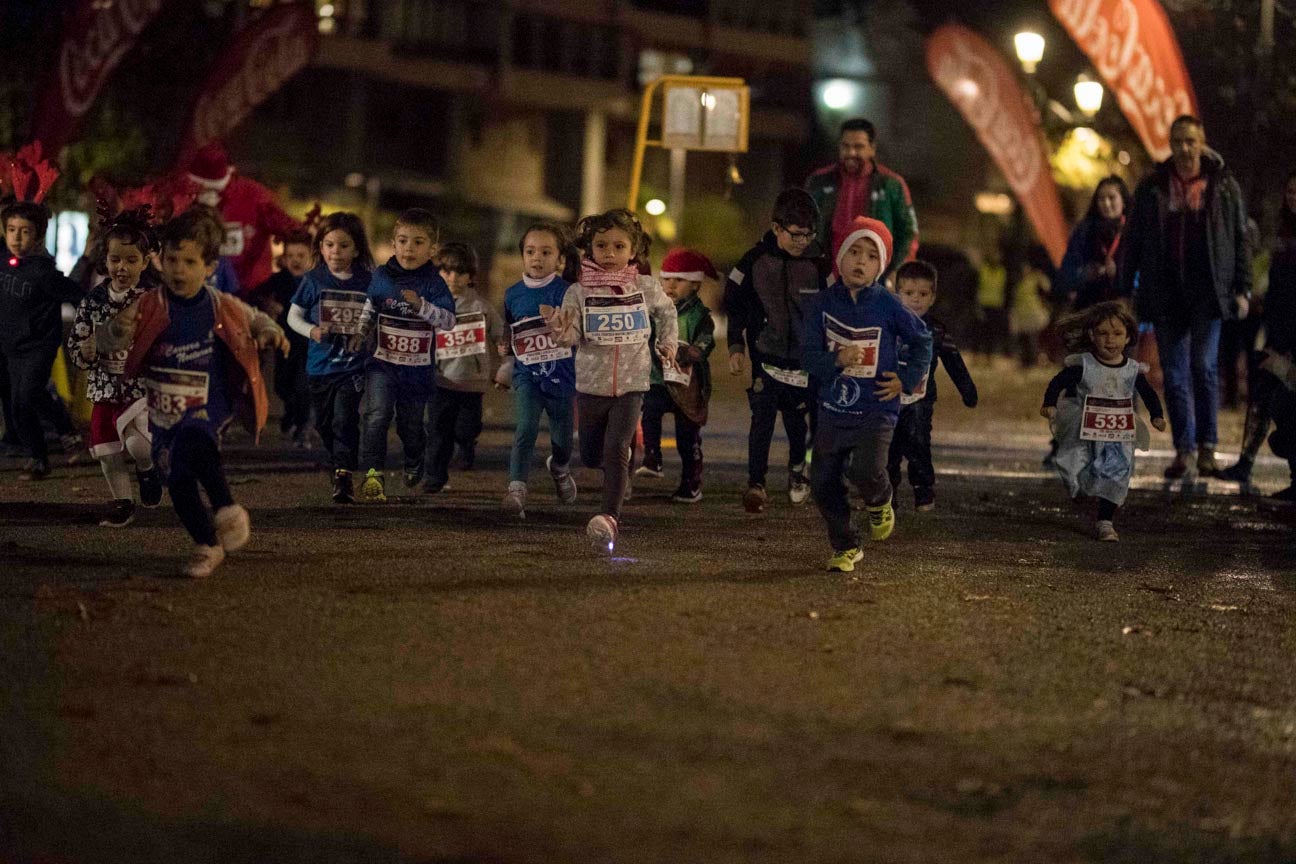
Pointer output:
x,y
1108,419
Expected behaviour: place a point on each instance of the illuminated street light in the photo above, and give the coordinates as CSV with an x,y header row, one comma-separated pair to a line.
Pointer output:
x,y
838,94
1088,95
1030,49
655,207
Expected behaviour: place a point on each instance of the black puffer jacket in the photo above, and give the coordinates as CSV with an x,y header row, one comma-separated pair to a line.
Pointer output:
x,y
32,292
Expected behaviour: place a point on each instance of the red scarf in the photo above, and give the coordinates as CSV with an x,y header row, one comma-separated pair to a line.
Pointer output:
x,y
594,276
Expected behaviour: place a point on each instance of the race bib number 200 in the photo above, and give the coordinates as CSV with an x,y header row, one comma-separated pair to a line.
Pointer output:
x,y
404,341
616,319
173,394
467,338
533,342
1108,419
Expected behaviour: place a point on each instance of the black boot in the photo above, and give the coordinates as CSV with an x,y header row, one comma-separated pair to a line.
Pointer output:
x,y
150,485
342,491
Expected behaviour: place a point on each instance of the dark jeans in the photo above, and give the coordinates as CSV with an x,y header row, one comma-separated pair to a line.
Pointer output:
x,y
657,404
858,452
453,417
607,427
767,399
381,402
29,373
195,461
337,416
912,443
291,385
1189,355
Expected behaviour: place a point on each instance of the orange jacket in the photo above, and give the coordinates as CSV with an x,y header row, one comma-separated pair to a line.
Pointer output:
x,y
237,325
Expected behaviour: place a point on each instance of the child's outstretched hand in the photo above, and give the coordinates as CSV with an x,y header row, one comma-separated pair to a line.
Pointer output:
x,y
558,318
1159,424
889,388
736,363
850,355
1048,412
274,339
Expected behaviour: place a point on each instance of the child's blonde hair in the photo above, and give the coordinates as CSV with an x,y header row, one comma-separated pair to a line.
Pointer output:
x,y
1075,328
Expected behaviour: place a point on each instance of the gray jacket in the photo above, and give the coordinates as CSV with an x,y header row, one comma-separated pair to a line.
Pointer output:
x,y
614,370
471,370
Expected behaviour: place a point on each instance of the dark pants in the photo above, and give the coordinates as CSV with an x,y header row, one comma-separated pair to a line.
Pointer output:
x,y
292,387
1263,392
657,403
912,443
29,373
337,416
858,452
453,417
381,402
194,460
767,399
607,427
1189,355
1283,439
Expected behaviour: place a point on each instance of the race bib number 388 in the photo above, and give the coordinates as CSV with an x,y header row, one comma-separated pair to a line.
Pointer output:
x,y
467,338
404,341
616,319
340,312
845,336
1108,419
173,394
533,342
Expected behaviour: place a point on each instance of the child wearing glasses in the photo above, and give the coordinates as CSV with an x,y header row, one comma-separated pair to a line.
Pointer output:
x,y
763,299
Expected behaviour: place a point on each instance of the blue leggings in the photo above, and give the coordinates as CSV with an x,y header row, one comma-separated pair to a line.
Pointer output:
x,y
529,402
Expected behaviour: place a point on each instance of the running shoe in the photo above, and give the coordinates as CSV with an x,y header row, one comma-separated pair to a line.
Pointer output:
x,y
373,490
564,482
150,485
653,471
602,532
1239,472
342,492
515,499
1106,531
413,475
121,514
881,521
754,499
687,495
1206,464
844,562
1182,467
37,469
798,486
233,527
202,561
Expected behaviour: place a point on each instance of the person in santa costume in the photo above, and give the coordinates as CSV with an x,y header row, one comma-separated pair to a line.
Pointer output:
x,y
249,210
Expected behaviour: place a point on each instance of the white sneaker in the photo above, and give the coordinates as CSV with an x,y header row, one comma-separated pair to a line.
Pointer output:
x,y
233,527
203,560
649,471
602,532
1106,531
798,486
564,483
515,499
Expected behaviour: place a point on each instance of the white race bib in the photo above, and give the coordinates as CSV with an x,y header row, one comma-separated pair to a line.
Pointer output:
x,y
1108,419
616,319
533,342
174,393
404,341
790,377
114,363
340,312
233,245
919,392
466,339
675,375
845,336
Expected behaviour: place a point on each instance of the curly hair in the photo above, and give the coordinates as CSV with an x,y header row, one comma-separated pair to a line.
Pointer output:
x,y
130,227
1075,328
620,219
351,225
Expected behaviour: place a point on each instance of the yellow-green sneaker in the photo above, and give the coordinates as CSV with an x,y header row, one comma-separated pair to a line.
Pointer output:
x,y
881,521
373,490
844,562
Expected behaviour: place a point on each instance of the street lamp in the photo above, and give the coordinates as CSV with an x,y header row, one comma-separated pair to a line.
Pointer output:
x,y
1030,49
1088,95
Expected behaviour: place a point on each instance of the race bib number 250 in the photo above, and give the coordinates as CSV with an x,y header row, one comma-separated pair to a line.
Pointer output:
x,y
616,319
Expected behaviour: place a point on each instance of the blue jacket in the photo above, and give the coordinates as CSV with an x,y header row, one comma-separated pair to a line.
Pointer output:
x,y
329,357
436,306
874,317
556,377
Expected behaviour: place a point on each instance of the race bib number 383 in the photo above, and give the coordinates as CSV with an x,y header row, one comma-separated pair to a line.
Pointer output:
x,y
404,341
845,336
616,319
173,394
1108,419
340,312
533,342
467,338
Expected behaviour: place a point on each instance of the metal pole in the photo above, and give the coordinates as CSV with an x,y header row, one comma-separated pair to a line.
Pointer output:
x,y
1266,44
678,162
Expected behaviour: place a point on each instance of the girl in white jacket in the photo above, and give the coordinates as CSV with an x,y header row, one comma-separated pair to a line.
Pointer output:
x,y
611,315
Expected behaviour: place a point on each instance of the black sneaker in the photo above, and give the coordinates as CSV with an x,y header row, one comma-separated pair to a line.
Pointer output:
x,y
121,514
685,495
342,491
467,457
413,476
150,483
37,469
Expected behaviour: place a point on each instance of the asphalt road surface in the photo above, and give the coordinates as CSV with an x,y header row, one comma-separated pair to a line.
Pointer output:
x,y
431,681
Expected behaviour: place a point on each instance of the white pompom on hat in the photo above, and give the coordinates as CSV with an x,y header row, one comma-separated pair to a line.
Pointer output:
x,y
686,264
873,229
210,167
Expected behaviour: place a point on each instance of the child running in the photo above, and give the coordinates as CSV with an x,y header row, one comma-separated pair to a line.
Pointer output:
x,y
1096,428
607,314
464,365
544,373
682,389
119,419
197,351
274,297
854,332
916,288
326,310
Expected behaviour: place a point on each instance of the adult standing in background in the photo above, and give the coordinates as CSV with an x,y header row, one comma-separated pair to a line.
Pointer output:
x,y
1088,274
858,185
1185,251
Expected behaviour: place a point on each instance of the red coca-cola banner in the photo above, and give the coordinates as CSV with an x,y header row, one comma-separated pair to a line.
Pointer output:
x,y
96,35
985,90
256,63
1135,51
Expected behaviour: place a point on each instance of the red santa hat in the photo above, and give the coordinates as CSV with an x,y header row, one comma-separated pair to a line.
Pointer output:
x,y
686,264
210,167
873,229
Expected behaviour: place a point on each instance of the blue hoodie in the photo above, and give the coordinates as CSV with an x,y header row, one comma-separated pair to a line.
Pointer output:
x,y
330,356
436,307
553,377
876,319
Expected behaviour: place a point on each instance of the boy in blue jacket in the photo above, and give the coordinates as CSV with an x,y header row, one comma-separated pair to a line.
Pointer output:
x,y
407,303
853,334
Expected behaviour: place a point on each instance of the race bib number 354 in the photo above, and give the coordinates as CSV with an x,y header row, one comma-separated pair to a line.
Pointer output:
x,y
173,394
1108,419
467,338
616,319
404,341
533,342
